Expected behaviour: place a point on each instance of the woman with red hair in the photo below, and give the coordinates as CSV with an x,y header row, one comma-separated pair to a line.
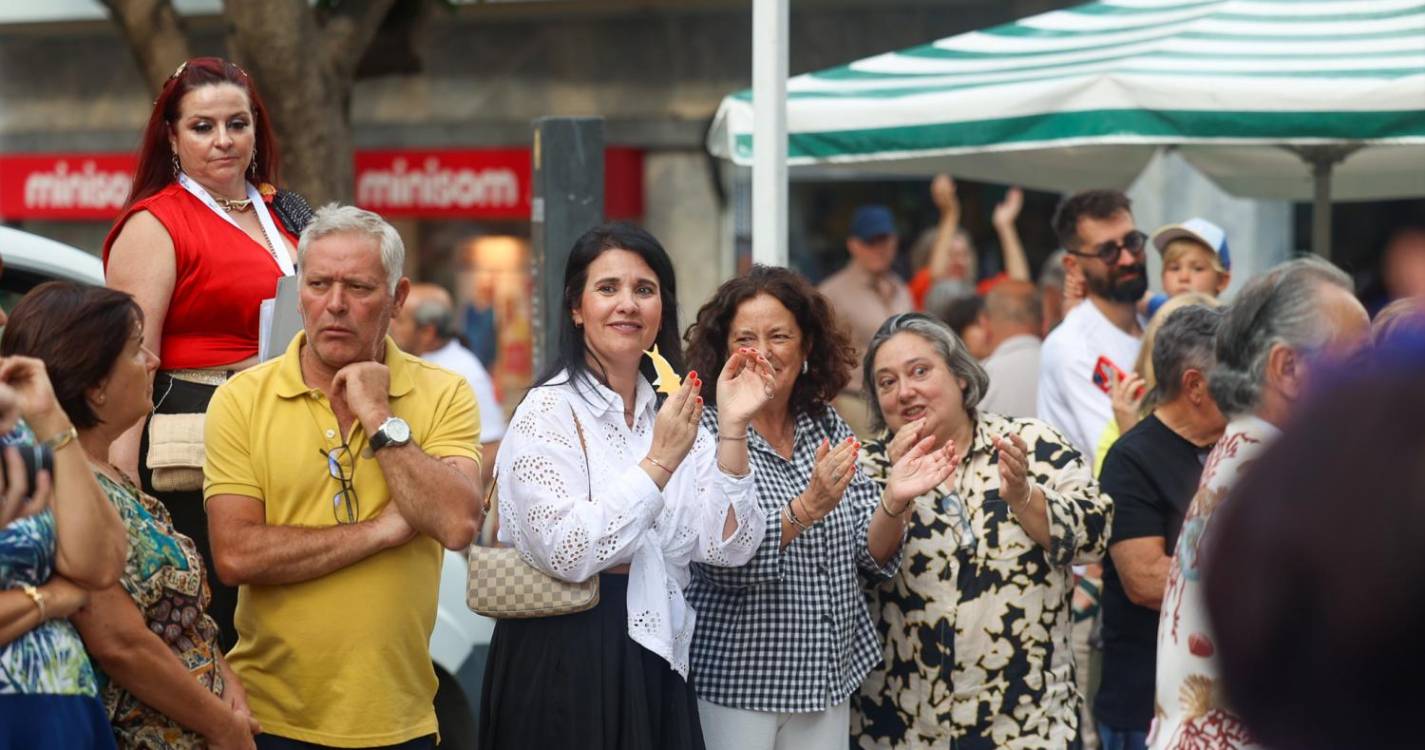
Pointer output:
x,y
201,243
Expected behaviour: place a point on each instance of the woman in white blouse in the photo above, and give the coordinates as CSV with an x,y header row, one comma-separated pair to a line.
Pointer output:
x,y
595,479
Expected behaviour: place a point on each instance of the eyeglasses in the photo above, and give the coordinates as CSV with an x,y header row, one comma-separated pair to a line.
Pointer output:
x,y
1134,242
344,504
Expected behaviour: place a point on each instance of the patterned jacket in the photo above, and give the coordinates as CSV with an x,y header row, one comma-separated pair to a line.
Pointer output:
x,y
976,622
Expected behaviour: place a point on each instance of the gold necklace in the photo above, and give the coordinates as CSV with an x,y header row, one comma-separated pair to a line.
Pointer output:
x,y
234,206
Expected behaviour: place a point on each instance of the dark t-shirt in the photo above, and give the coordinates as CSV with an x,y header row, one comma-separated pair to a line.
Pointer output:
x,y
1151,473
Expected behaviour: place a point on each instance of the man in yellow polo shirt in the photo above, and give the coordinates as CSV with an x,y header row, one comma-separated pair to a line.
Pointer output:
x,y
335,473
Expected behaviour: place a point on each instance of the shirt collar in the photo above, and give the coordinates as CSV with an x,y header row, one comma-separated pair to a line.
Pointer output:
x,y
602,399
289,382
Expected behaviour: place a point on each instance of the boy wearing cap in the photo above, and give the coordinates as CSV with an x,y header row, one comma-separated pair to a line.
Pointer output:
x,y
1195,257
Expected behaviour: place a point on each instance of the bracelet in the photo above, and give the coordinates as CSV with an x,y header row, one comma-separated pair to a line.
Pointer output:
x,y
38,597
734,475
791,517
659,464
1029,497
722,436
62,439
887,508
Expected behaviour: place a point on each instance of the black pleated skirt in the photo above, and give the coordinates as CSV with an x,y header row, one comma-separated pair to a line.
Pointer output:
x,y
579,681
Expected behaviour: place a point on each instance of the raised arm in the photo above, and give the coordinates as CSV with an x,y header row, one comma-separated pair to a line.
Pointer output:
x,y
942,192
1016,263
141,262
90,540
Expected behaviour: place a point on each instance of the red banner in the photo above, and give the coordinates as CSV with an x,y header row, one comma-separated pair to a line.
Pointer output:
x,y
489,183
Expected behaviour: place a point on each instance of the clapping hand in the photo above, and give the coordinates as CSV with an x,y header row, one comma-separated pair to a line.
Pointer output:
x,y
1007,210
920,470
676,425
745,385
906,437
830,476
1127,394
1014,486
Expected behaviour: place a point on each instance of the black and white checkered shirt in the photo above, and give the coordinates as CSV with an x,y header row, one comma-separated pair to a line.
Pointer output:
x,y
789,631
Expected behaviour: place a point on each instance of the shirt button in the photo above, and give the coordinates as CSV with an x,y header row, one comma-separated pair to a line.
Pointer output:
x,y
331,434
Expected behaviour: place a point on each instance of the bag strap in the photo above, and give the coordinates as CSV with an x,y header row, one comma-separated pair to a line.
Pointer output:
x,y
491,525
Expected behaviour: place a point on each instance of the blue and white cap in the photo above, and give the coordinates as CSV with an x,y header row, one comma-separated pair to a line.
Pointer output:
x,y
1197,229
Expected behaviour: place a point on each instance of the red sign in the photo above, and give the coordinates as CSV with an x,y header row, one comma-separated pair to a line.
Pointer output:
x,y
492,183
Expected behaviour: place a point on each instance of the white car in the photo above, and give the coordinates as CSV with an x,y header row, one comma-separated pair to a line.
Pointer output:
x,y
461,638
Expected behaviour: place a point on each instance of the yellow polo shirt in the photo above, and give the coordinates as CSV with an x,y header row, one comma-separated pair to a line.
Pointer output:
x,y
342,660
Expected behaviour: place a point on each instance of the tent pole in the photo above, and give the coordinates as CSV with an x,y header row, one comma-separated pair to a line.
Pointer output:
x,y
769,132
1321,207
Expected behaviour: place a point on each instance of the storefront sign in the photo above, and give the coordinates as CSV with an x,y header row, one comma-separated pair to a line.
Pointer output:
x,y
489,183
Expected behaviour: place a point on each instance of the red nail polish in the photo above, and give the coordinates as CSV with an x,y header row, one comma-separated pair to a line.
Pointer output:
x,y
700,400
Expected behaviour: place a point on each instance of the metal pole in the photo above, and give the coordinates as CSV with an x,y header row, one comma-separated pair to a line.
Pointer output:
x,y
769,132
1321,207
567,200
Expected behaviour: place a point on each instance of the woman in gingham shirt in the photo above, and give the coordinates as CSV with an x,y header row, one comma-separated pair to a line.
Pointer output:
x,y
783,641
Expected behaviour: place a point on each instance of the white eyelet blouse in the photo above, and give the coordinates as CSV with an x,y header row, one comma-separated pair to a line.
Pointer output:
x,y
573,523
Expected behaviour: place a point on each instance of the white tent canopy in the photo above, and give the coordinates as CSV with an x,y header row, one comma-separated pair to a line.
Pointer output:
x,y
1252,93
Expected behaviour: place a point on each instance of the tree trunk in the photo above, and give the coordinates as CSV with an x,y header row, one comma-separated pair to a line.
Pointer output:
x,y
305,72
155,35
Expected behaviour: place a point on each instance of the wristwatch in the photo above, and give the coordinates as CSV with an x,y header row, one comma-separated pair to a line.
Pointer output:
x,y
394,431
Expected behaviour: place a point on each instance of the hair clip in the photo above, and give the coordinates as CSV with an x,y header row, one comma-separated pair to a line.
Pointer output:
x,y
181,67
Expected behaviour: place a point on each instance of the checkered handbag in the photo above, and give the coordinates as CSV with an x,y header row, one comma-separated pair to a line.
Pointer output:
x,y
500,584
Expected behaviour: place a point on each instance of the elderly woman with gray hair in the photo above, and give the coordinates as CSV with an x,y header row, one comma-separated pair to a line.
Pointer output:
x,y
976,622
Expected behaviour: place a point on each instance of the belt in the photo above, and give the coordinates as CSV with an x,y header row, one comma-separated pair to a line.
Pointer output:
x,y
201,377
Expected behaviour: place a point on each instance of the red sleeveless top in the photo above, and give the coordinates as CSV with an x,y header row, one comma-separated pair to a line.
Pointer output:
x,y
223,277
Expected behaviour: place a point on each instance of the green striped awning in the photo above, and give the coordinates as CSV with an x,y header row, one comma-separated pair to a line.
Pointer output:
x,y
1084,96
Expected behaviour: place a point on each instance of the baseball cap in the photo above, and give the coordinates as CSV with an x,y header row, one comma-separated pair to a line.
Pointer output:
x,y
1197,229
872,221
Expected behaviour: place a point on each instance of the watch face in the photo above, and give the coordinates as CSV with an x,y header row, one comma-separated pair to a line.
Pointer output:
x,y
397,430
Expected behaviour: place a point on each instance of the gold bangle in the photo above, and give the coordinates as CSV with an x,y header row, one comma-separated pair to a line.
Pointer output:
x,y
721,436
62,439
659,464
887,508
38,597
791,517
734,475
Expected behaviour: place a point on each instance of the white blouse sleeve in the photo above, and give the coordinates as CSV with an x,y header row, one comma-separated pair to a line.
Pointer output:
x,y
700,494
549,509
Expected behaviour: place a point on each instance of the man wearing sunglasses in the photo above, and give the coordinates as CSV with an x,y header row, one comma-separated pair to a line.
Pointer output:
x,y
335,473
1098,339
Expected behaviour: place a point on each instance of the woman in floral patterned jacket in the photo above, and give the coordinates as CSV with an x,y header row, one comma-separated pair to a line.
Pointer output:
x,y
976,622
163,680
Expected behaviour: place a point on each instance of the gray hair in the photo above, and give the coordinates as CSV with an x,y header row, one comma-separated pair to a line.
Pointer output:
x,y
1053,273
1279,307
950,348
338,219
1185,341
434,312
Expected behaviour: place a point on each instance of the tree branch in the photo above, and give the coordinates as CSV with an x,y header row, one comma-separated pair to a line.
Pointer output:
x,y
155,34
347,32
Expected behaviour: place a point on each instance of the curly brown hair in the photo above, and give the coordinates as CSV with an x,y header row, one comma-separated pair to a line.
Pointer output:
x,y
830,355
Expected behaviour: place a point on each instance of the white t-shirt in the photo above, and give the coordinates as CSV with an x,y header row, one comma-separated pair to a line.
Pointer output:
x,y
1068,398
459,360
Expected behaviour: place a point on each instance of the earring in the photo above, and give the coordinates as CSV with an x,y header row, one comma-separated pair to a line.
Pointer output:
x,y
176,166
805,367
100,399
252,165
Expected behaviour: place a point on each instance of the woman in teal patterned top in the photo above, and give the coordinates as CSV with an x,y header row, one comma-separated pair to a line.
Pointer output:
x,y
162,677
55,546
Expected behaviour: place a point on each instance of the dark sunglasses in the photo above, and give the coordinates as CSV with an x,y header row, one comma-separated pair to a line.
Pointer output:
x,y
1134,242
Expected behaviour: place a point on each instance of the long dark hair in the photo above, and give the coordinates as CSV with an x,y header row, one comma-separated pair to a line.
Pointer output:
x,y
830,355
572,354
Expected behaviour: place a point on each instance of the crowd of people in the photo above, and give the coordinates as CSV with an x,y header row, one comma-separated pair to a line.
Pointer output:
x,y
870,513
